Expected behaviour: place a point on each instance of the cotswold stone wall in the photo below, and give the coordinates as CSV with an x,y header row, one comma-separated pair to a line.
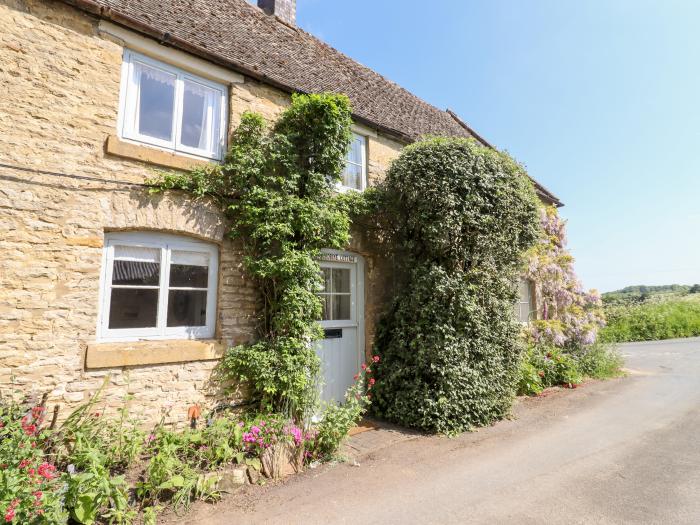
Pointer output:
x,y
60,192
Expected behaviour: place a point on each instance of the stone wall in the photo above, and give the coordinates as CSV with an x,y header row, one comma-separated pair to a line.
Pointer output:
x,y
60,192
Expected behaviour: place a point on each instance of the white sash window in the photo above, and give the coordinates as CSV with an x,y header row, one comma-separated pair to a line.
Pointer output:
x,y
157,287
167,107
354,176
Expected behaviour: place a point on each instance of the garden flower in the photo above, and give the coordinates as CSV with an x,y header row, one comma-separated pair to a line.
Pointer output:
x,y
375,359
372,381
46,470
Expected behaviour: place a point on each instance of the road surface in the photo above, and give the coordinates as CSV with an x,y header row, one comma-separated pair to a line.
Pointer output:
x,y
620,451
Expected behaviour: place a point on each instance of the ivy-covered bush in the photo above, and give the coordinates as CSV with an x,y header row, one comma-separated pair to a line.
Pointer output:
x,y
277,187
460,218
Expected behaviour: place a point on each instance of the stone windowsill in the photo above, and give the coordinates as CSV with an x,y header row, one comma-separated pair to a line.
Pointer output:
x,y
113,355
128,150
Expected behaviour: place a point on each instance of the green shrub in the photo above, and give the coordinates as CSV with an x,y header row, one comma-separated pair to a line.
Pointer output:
x,y
599,361
650,321
552,367
545,366
460,218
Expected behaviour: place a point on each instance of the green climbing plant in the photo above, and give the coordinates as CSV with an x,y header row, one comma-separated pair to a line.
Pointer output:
x,y
276,185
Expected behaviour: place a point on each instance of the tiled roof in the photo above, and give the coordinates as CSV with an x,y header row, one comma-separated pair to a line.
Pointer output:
x,y
241,36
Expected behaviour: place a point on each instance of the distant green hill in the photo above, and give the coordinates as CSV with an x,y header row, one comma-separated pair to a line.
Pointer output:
x,y
642,292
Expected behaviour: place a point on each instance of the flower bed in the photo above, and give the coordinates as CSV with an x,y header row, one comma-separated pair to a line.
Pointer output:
x,y
94,469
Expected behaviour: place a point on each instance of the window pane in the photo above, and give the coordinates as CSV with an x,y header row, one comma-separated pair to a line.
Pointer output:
x,y
189,276
136,266
187,308
356,147
341,307
156,101
133,308
189,269
524,291
326,307
136,273
326,279
341,280
200,107
352,176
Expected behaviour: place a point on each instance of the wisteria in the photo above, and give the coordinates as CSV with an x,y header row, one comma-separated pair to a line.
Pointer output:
x,y
568,315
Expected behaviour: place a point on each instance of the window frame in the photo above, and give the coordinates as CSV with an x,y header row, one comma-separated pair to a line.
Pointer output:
x,y
166,243
128,99
363,179
341,323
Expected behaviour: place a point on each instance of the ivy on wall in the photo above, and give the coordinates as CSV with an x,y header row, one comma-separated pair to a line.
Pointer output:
x,y
459,219
569,316
276,185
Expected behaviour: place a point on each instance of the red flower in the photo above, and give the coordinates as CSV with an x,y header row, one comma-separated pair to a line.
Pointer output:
x,y
46,470
355,377
23,463
10,513
31,471
368,371
372,381
364,366
375,359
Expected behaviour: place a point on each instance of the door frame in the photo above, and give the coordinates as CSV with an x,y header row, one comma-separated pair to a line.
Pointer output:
x,y
345,258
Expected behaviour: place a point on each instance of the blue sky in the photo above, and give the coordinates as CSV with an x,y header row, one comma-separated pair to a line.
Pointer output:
x,y
598,98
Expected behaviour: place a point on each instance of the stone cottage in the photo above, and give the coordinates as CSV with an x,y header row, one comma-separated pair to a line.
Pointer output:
x,y
98,278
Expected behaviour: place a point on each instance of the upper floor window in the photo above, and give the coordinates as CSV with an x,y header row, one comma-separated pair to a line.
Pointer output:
x,y
157,286
354,175
525,308
167,107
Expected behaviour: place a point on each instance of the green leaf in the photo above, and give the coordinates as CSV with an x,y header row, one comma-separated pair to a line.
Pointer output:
x,y
85,510
254,463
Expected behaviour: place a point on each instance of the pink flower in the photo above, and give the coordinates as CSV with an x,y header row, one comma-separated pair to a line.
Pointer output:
x,y
364,366
375,359
10,513
372,381
46,470
150,438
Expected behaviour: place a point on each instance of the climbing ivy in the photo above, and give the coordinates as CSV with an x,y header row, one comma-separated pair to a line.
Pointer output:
x,y
460,217
276,185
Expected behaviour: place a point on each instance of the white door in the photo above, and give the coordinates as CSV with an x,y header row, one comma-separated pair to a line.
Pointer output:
x,y
343,316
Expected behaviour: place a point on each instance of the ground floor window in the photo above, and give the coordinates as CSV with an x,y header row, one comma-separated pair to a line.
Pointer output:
x,y
525,308
157,286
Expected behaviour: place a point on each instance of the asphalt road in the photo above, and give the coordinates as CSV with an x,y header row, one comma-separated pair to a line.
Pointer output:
x,y
620,451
